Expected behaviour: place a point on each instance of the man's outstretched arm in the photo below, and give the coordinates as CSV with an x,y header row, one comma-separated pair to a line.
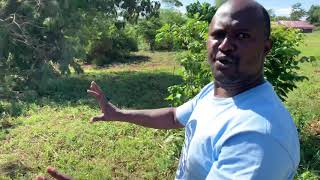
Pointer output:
x,y
164,118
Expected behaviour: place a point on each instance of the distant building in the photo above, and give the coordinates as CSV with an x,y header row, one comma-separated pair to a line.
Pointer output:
x,y
304,26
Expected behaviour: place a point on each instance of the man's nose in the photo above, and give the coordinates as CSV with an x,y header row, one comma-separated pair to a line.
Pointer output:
x,y
226,45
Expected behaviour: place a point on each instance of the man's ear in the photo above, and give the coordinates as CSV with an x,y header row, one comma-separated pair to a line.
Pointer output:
x,y
267,46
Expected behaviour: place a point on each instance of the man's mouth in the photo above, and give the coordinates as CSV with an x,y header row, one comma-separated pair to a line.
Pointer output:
x,y
225,60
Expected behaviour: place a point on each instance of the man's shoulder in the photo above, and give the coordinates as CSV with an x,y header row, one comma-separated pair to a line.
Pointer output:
x,y
269,120
278,126
207,89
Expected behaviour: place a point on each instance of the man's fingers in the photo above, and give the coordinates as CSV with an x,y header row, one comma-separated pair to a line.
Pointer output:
x,y
55,174
41,178
93,93
95,88
95,85
97,118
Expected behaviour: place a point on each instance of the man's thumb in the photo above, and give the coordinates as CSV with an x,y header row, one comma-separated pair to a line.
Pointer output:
x,y
97,118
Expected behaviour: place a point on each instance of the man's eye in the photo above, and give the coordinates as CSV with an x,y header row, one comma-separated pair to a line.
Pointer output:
x,y
219,35
243,36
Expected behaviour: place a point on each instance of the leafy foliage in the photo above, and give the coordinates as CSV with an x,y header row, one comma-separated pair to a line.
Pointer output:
x,y
148,29
192,36
285,18
297,12
204,11
272,14
170,19
171,16
41,39
314,15
107,41
175,3
182,36
132,10
283,61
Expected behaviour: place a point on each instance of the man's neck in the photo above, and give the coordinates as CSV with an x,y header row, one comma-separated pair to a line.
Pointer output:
x,y
225,91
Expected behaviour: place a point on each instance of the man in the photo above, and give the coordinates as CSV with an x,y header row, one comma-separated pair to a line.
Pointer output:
x,y
236,127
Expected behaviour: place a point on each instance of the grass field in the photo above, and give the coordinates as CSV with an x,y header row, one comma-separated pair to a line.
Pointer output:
x,y
52,129
311,45
304,105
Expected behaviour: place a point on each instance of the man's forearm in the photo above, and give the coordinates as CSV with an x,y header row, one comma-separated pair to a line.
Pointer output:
x,y
164,118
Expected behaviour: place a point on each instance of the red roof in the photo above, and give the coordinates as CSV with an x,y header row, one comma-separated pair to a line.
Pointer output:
x,y
297,24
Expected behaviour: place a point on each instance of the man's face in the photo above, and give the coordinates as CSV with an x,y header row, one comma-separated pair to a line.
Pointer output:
x,y
237,44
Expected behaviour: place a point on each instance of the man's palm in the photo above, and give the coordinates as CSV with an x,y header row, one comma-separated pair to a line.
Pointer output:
x,y
108,110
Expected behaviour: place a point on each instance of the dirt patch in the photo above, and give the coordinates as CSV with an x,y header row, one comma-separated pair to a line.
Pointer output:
x,y
313,127
13,168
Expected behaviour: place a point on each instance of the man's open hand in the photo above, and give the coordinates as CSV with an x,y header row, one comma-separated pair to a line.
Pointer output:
x,y
55,174
109,111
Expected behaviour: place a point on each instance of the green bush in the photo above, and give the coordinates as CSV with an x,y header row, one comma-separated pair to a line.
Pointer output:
x,y
164,38
196,72
283,61
170,19
148,30
172,16
203,11
187,36
49,38
111,49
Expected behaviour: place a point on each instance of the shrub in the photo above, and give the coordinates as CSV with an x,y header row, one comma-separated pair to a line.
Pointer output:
x,y
111,49
172,16
148,30
283,61
187,36
204,11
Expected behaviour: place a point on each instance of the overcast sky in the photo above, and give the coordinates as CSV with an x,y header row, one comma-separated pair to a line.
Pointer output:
x,y
281,7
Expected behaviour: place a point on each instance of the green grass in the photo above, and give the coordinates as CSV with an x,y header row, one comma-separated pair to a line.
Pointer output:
x,y
52,129
311,44
304,105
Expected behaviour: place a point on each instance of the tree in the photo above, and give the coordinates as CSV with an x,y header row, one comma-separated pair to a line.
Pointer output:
x,y
42,39
314,15
148,28
272,14
132,10
203,12
297,12
172,3
285,18
172,16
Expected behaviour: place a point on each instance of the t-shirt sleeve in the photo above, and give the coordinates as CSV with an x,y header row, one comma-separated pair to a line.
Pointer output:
x,y
184,111
251,155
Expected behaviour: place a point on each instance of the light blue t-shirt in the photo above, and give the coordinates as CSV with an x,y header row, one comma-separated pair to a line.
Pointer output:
x,y
248,136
